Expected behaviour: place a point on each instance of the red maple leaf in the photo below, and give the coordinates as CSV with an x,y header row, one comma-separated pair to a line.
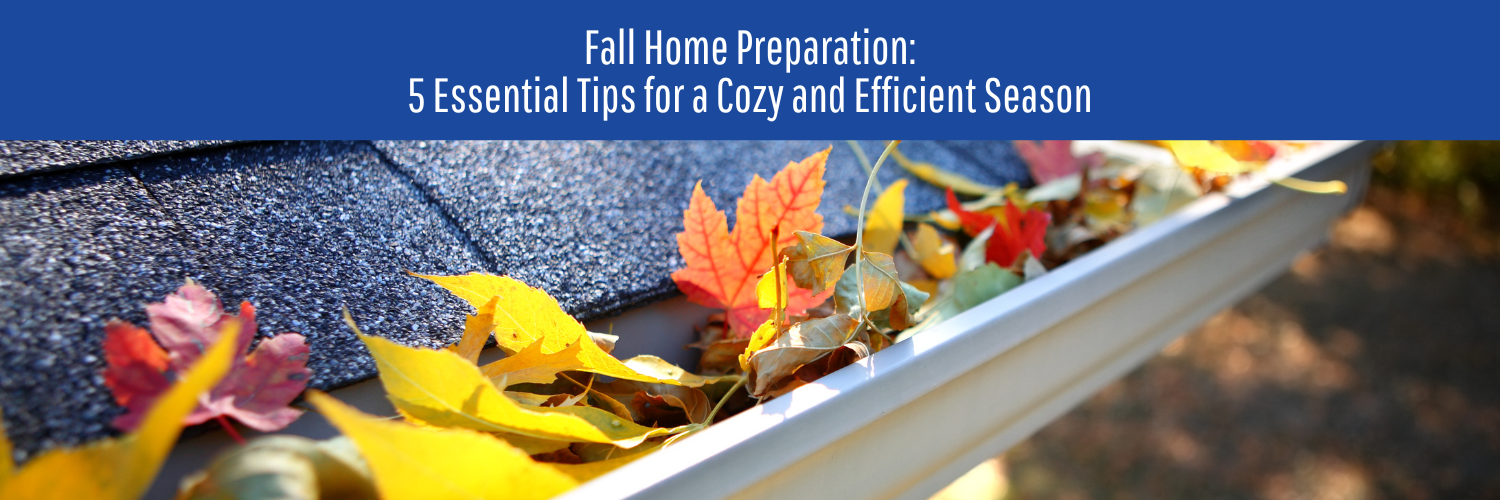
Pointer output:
x,y
1017,231
723,267
1054,159
255,392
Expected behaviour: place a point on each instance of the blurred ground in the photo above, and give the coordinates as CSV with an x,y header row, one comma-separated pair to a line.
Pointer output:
x,y
1371,370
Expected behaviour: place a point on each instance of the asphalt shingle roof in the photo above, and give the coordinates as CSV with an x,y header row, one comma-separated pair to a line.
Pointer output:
x,y
21,157
300,229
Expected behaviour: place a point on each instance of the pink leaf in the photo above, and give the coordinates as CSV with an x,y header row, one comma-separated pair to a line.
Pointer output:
x,y
255,392
1054,159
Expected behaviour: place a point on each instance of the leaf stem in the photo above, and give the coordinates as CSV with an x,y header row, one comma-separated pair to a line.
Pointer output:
x,y
229,428
864,161
737,385
859,234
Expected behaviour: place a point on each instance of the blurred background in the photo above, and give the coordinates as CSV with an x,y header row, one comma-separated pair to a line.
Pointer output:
x,y
1370,370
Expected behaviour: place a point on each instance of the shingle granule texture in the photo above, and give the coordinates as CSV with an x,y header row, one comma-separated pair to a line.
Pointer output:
x,y
75,251
17,157
593,223
300,230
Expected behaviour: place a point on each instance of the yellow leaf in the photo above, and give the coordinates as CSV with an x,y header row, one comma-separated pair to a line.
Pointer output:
x,y
1202,154
771,291
524,315
442,389
477,329
5,449
532,366
883,223
413,462
123,468
653,366
758,340
816,262
935,255
946,219
588,471
527,398
528,444
942,178
880,284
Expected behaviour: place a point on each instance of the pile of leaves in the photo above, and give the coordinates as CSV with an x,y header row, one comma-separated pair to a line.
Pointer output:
x,y
559,408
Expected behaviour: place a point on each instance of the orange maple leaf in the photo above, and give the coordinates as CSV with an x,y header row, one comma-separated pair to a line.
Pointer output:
x,y
723,267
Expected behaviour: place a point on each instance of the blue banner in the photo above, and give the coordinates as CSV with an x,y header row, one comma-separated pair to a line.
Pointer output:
x,y
749,70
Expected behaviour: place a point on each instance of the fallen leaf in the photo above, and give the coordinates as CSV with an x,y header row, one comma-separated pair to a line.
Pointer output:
x,y
532,366
477,330
942,178
883,223
722,356
723,267
124,467
839,358
595,452
771,293
524,316
1248,150
1054,159
881,285
589,470
1159,191
1203,154
526,398
972,222
6,466
660,369
1061,188
902,312
1033,269
816,262
934,254
980,285
1017,231
257,390
442,389
690,402
973,255
762,337
282,466
801,344
411,462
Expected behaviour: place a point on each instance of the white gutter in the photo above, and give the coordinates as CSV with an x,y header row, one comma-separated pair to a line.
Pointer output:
x,y
911,419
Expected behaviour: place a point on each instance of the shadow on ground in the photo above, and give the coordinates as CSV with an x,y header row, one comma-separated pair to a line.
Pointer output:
x,y
1371,370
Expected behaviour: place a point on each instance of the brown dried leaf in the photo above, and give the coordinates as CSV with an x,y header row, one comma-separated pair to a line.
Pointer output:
x,y
803,343
816,262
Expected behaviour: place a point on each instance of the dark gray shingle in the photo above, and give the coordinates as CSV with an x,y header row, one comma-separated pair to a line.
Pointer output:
x,y
75,251
17,157
300,229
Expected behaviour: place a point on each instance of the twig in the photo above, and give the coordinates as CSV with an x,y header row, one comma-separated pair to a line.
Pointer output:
x,y
864,161
712,413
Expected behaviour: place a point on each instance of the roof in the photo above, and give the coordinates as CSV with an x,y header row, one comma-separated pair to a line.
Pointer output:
x,y
92,231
